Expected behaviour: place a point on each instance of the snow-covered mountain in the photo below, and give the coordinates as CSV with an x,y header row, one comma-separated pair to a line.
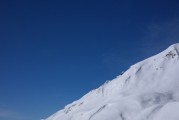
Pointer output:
x,y
148,90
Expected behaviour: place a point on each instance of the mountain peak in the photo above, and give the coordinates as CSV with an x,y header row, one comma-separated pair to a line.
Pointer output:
x,y
173,50
176,46
148,90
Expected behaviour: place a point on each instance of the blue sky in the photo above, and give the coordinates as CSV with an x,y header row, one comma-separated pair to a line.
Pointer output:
x,y
53,52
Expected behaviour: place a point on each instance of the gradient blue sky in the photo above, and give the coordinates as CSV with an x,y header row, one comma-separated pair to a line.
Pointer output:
x,y
53,52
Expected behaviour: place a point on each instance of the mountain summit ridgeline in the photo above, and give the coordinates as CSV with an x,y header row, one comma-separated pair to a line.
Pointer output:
x,y
148,90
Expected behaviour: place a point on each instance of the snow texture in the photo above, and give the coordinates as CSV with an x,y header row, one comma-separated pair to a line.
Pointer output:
x,y
148,90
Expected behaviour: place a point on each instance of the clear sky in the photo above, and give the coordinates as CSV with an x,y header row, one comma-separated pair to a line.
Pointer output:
x,y
53,52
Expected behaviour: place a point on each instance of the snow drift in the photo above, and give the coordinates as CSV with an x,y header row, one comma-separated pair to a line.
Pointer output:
x,y
148,90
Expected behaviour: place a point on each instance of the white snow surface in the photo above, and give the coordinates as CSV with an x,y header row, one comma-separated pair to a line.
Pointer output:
x,y
148,90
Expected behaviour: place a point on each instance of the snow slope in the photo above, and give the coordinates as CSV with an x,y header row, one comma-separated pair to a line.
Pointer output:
x,y
148,90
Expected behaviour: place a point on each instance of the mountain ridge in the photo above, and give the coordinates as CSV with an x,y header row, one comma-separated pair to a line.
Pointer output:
x,y
141,93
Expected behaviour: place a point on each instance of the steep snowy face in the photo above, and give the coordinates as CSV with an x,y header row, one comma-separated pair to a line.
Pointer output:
x,y
148,90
